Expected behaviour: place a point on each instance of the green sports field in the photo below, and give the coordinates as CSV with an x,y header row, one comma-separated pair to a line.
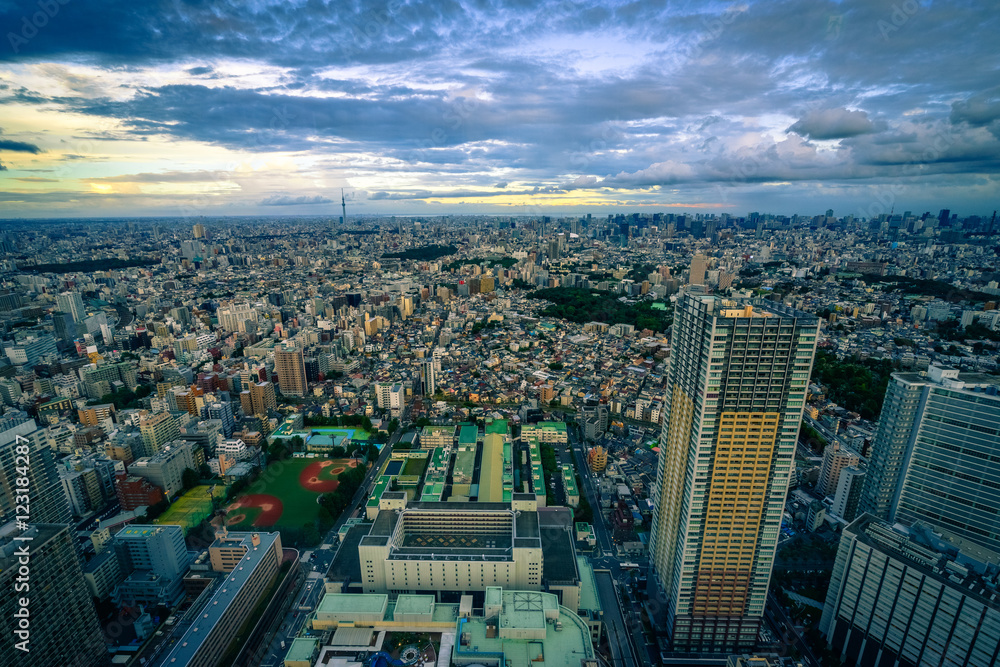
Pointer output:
x,y
285,495
190,509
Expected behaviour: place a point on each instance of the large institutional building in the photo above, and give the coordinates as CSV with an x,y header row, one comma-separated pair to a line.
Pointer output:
x,y
902,596
422,547
736,388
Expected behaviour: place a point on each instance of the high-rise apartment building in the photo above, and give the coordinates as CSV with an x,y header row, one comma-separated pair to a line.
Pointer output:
x,y
736,388
48,501
935,454
258,399
429,379
156,559
222,412
157,430
848,494
62,622
165,469
72,303
234,317
836,457
699,264
290,366
390,396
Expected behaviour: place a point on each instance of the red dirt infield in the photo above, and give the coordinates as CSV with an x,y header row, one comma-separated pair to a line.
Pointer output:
x,y
310,478
270,507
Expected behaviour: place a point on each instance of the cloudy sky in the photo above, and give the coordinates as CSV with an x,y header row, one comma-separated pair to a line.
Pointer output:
x,y
180,107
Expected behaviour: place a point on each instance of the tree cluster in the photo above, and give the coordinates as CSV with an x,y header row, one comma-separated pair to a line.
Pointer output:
x,y
423,253
337,501
125,398
587,305
935,288
92,265
856,384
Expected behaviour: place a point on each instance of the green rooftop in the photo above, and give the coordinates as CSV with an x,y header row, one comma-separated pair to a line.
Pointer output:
x,y
491,472
551,426
414,604
525,613
588,585
465,466
381,485
302,649
497,426
468,434
352,603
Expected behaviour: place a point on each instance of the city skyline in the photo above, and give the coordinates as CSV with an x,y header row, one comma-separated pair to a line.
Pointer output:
x,y
460,109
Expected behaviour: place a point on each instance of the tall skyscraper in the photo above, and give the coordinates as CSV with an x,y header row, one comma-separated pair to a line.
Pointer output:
x,y
935,454
290,366
72,303
429,379
62,622
198,231
48,501
736,387
698,266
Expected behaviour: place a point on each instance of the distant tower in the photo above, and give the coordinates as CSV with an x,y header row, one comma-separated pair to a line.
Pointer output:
x,y
343,207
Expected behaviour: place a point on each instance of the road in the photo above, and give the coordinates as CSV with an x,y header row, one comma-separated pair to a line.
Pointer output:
x,y
125,316
622,622
783,625
622,652
323,555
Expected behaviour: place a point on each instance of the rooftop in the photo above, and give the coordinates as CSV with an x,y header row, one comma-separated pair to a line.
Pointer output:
x,y
301,649
353,603
468,434
527,611
497,426
225,593
414,604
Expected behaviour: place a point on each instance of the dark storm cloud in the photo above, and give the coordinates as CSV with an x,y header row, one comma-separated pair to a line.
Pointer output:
x,y
833,124
18,146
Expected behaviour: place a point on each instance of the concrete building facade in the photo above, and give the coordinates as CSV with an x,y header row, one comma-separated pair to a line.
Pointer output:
x,y
736,388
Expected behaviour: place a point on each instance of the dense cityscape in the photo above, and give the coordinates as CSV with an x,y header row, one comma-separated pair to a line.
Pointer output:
x,y
635,439
485,333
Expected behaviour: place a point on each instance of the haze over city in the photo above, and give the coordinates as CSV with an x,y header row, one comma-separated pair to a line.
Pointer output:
x,y
449,107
